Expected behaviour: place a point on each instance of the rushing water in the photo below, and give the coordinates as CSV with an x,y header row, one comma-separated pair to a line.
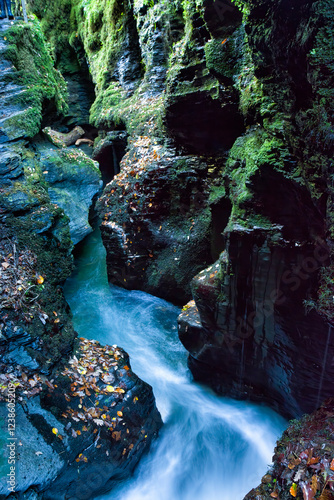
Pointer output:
x,y
210,448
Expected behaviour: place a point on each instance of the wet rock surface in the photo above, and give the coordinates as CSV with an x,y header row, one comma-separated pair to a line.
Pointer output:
x,y
92,414
156,228
229,118
254,351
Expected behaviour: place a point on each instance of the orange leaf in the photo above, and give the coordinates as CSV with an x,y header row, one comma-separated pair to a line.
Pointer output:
x,y
120,414
293,490
332,465
126,367
40,279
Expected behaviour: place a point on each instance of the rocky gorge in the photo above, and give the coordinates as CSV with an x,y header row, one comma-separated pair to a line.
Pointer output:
x,y
212,125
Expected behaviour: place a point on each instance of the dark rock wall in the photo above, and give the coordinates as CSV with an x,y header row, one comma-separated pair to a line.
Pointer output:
x,y
266,332
229,115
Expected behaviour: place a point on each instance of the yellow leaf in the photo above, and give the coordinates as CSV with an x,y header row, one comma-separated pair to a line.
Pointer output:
x,y
293,490
110,388
55,430
314,484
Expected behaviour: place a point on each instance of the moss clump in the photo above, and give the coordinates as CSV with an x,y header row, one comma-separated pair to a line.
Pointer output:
x,y
250,154
225,57
142,113
34,72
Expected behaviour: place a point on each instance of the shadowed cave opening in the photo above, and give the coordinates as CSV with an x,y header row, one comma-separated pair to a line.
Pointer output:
x,y
109,153
201,125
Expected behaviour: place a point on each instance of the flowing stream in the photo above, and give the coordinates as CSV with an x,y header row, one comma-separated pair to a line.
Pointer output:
x,y
210,448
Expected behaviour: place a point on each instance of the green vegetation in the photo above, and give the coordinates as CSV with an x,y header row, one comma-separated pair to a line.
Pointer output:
x,y
35,73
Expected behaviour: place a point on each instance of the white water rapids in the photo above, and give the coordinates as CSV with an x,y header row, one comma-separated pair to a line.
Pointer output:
x,y
210,448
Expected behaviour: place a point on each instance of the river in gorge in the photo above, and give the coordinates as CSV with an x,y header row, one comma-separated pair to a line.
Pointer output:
x,y
210,448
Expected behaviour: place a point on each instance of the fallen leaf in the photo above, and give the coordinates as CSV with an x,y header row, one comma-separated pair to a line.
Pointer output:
x,y
116,435
293,490
55,430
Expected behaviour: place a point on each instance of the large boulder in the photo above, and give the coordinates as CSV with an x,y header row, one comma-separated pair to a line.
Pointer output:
x,y
156,228
92,418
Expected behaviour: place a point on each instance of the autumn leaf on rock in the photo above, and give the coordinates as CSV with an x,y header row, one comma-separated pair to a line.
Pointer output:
x,y
293,490
116,435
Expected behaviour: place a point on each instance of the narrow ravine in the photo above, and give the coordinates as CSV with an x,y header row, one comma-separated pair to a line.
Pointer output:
x,y
209,447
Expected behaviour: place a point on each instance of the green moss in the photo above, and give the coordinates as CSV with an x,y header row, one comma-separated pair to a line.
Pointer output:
x,y
224,56
36,75
255,151
142,113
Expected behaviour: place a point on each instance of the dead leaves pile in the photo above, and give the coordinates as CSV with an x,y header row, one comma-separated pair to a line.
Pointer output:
x,y
304,459
313,477
92,375
19,282
26,385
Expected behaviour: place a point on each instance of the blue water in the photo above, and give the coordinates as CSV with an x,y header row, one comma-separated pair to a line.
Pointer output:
x,y
210,448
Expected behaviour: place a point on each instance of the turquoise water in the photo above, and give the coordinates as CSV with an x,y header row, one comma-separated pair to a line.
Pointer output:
x,y
210,448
